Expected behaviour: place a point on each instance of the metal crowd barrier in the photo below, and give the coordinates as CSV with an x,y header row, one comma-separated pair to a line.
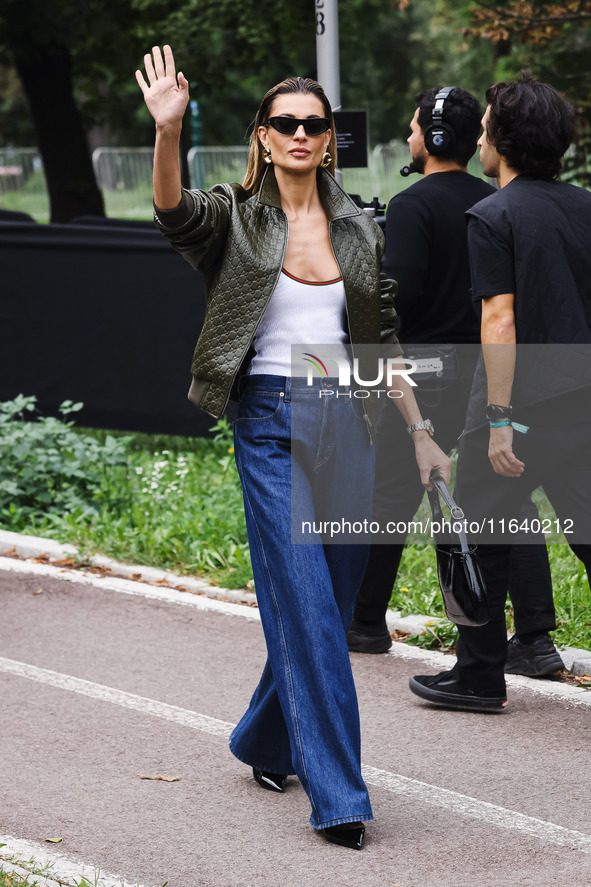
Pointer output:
x,y
125,176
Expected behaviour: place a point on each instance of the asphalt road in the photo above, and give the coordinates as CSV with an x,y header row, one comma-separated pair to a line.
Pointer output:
x,y
102,680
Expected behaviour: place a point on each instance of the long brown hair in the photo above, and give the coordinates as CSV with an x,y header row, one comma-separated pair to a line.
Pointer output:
x,y
302,85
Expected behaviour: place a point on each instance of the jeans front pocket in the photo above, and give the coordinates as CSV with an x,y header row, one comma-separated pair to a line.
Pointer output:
x,y
259,405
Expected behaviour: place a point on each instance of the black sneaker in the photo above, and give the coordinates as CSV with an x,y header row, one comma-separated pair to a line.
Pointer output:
x,y
533,660
368,637
443,689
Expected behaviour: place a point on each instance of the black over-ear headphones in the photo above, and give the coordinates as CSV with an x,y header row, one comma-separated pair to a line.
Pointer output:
x,y
439,137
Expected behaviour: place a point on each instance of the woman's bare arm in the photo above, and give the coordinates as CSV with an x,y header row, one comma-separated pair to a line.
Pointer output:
x,y
166,96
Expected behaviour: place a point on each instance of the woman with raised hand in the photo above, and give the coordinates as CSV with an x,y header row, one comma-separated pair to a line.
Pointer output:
x,y
288,258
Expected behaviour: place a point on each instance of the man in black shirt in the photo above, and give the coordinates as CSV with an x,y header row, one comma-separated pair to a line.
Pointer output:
x,y
531,273
427,253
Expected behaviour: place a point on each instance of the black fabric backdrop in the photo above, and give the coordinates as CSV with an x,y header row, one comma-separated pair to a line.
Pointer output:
x,y
103,312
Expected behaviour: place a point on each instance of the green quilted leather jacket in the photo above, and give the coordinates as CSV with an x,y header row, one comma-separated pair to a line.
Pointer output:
x,y
238,242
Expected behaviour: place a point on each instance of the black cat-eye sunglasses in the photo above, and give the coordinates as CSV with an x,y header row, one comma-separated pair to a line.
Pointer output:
x,y
288,126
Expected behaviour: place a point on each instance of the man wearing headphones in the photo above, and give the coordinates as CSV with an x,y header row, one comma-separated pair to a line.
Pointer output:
x,y
427,253
529,417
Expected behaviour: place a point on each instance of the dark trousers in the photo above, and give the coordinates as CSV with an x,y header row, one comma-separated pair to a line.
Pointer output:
x,y
397,496
556,457
529,585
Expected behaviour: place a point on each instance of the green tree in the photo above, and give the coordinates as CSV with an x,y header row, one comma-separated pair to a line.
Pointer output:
x,y
68,56
16,127
76,61
232,52
553,41
42,59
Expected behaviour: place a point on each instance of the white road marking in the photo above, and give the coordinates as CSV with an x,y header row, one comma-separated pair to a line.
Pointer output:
x,y
56,867
174,713
467,806
572,694
422,792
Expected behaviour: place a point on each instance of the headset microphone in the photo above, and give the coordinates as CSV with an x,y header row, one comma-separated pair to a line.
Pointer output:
x,y
407,170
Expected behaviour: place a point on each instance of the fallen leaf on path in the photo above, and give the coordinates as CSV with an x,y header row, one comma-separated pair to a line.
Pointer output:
x,y
159,777
64,562
53,840
39,591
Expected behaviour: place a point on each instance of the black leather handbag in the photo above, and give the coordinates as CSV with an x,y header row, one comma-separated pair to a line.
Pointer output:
x,y
460,579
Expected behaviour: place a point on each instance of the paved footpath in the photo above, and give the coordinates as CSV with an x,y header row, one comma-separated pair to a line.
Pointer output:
x,y
105,680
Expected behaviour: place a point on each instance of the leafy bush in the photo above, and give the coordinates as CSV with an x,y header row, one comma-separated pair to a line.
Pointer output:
x,y
178,506
48,468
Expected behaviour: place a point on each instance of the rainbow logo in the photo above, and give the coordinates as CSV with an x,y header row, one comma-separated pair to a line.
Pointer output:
x,y
316,362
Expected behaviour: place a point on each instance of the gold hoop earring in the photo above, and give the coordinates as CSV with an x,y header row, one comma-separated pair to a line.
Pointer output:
x,y
326,160
267,156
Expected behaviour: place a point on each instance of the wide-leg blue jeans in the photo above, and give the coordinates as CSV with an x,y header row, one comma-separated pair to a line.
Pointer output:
x,y
303,717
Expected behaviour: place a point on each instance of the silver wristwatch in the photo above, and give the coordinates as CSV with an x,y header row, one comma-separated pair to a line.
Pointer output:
x,y
425,425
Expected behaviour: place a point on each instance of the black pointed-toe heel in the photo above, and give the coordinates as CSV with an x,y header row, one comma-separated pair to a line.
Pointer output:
x,y
273,782
349,835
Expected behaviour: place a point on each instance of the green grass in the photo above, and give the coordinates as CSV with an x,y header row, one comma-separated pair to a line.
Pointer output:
x,y
32,198
176,503
417,592
34,871
179,506
130,203
30,871
12,879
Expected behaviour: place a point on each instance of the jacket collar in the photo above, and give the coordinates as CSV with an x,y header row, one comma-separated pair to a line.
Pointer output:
x,y
336,203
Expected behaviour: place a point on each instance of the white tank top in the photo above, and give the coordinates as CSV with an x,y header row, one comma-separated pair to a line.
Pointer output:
x,y
300,312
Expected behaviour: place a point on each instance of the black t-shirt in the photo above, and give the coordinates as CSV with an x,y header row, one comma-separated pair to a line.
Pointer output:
x,y
427,253
533,239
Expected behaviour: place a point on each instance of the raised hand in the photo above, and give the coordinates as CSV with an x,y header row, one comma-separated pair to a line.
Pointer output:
x,y
168,93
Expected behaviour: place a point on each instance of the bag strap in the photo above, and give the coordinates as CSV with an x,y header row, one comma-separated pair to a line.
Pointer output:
x,y
441,489
435,506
